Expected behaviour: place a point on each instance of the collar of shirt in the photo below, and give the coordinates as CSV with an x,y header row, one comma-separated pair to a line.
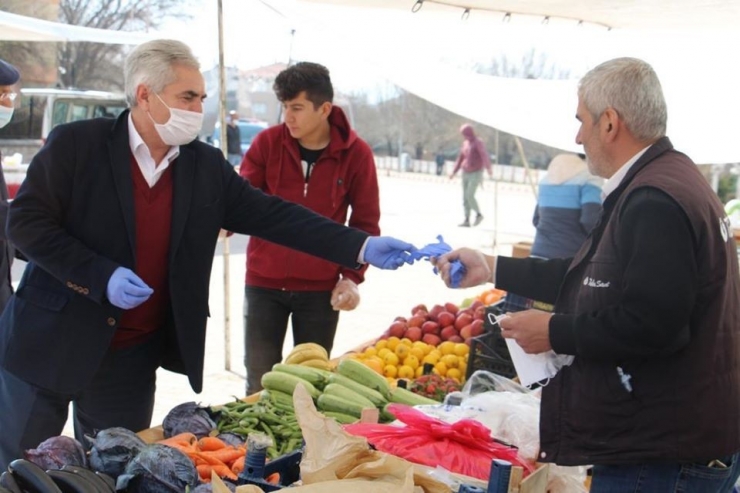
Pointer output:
x,y
612,183
144,159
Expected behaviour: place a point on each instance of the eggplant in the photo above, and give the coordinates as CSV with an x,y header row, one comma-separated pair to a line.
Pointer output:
x,y
70,482
8,482
31,477
91,477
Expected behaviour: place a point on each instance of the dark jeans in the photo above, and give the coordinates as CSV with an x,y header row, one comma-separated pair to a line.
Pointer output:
x,y
667,478
121,394
266,313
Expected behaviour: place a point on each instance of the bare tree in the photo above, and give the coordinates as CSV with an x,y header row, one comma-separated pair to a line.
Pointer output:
x,y
36,60
531,65
97,65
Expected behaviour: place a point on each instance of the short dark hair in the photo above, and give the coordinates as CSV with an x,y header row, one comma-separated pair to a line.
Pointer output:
x,y
304,76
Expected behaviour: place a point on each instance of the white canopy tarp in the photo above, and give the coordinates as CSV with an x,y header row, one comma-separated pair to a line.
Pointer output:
x,y
694,61
14,27
700,123
642,14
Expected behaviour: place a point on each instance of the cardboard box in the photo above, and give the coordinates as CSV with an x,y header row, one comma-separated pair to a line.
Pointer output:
x,y
521,249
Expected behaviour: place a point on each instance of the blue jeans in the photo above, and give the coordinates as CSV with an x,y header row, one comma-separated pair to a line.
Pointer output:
x,y
665,478
266,313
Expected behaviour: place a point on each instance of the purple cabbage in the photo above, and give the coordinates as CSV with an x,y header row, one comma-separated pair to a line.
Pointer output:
x,y
232,439
56,452
112,449
188,417
158,469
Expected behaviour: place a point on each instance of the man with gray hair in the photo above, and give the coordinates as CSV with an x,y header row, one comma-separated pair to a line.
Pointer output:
x,y
119,220
649,307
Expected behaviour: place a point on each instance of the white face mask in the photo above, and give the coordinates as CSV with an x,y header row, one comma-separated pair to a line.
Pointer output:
x,y
5,115
182,127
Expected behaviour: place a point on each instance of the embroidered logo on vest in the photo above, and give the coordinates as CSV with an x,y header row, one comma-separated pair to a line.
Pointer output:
x,y
724,227
595,283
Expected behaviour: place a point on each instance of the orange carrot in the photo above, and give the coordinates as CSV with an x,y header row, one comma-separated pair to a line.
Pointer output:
x,y
224,472
226,455
211,443
181,440
238,465
204,472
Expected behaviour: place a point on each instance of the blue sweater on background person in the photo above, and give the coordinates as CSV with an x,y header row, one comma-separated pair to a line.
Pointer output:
x,y
568,207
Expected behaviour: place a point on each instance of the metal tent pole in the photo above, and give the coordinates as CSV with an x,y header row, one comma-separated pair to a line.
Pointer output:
x,y
224,149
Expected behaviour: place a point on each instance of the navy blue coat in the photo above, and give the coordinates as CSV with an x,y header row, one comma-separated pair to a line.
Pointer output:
x,y
74,220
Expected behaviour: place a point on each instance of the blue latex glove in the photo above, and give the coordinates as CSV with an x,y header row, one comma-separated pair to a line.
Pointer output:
x,y
385,252
126,290
457,269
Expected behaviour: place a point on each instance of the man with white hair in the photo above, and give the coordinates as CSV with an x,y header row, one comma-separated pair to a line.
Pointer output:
x,y
119,220
649,307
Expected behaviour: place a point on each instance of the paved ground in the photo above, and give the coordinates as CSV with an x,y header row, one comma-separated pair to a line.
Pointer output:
x,y
416,208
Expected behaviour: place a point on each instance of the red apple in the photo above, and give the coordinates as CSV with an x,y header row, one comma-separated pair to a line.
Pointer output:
x,y
416,321
413,333
456,339
397,329
386,334
430,327
435,311
475,304
480,313
431,339
448,332
476,328
466,311
422,313
445,318
451,307
466,332
400,319
420,306
462,320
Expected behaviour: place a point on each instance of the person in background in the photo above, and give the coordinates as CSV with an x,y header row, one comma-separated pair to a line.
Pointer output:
x,y
439,160
314,159
649,307
9,77
233,139
568,206
472,160
119,220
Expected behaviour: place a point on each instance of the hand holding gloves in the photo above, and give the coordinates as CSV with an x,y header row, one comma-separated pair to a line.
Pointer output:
x,y
385,252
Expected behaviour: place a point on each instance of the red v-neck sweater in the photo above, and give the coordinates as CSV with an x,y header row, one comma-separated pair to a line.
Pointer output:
x,y
153,214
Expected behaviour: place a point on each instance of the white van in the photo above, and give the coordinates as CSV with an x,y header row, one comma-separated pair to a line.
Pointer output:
x,y
40,110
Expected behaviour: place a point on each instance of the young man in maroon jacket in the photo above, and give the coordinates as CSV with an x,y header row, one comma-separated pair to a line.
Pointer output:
x,y
314,159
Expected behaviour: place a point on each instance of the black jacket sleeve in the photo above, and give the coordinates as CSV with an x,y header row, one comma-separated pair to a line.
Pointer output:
x,y
534,278
657,248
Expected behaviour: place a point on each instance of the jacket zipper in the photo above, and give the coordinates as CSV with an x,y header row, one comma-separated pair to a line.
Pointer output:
x,y
308,175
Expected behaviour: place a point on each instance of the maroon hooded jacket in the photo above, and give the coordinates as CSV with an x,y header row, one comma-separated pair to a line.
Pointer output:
x,y
344,176
473,154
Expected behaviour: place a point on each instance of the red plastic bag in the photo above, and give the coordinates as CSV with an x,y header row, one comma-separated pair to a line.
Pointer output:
x,y
465,447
